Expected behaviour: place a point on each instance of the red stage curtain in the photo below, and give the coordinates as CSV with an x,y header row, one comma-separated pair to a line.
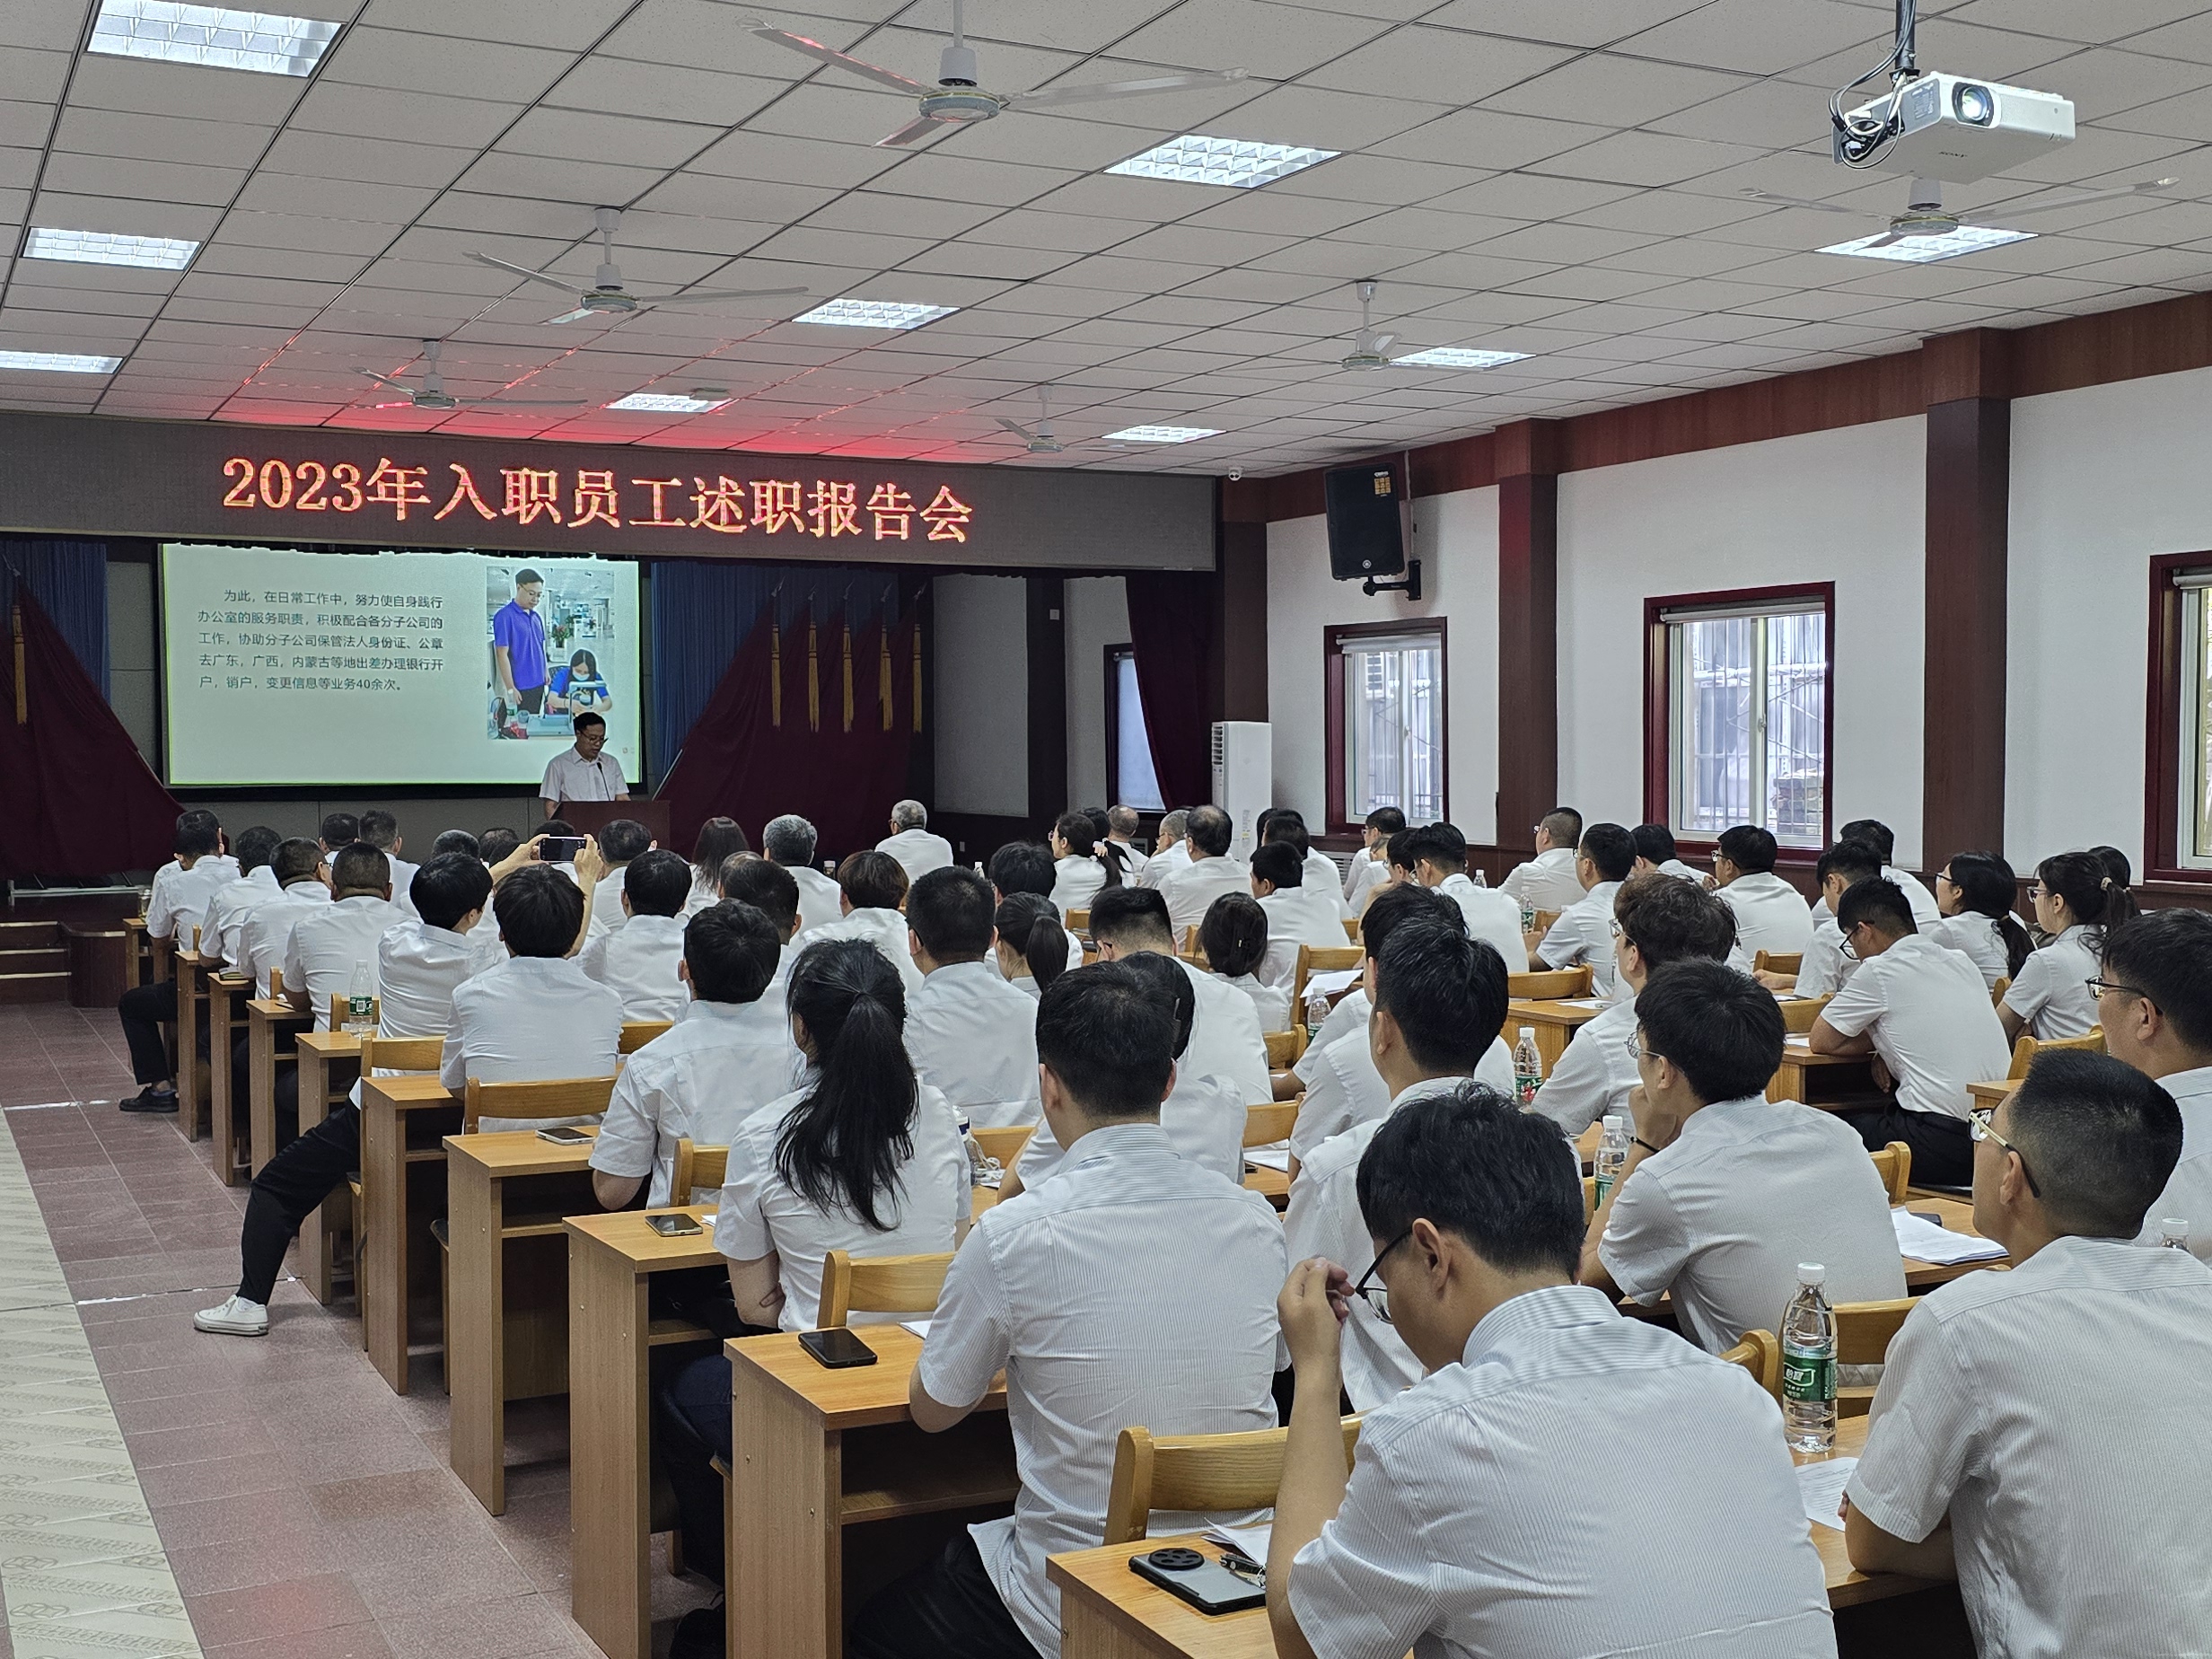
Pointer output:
x,y
1172,633
81,800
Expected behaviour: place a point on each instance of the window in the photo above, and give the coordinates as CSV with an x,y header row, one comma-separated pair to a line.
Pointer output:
x,y
1738,713
1385,715
2179,773
1130,779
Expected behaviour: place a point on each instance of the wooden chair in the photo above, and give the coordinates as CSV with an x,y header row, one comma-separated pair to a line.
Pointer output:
x,y
1777,961
1798,1013
1079,921
570,1097
1893,1163
879,1284
1550,985
1542,924
637,1033
1285,1048
1863,1333
1004,1145
1314,959
1589,1198
1197,1472
400,1054
1351,928
276,983
696,1166
1266,1124
1997,991
1761,1353
2027,1048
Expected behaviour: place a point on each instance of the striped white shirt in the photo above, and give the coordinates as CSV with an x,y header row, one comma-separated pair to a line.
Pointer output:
x,y
974,1036
1594,1076
2188,1196
1348,1091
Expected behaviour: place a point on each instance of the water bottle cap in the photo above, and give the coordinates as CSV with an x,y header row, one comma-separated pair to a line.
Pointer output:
x,y
1528,1033
1613,1120
1811,1273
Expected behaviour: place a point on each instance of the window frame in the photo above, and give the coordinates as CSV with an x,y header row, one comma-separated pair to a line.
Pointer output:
x,y
1113,656
1659,705
1334,637
2165,721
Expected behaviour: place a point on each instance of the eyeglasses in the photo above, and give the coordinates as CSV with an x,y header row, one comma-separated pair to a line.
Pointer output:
x,y
1377,1296
1944,877
1845,948
1638,1052
1979,1127
2038,891
2097,988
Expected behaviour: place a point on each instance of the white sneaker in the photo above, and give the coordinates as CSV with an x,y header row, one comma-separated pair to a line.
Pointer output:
x,y
235,1317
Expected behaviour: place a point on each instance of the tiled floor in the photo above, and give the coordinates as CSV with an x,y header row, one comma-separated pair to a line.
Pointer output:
x,y
303,1509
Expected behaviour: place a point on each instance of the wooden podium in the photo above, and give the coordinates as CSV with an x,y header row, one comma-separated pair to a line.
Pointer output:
x,y
590,816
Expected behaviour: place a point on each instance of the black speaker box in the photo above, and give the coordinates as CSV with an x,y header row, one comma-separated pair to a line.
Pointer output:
x,y
1367,528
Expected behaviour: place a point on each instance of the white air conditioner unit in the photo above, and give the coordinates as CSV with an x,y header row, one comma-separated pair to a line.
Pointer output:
x,y
1243,778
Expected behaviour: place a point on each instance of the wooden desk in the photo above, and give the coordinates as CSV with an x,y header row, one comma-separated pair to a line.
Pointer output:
x,y
134,952
329,1062
611,1260
191,1016
820,1453
1273,1185
1991,1094
1828,1080
402,1186
1958,1214
268,1022
1555,1023
226,993
506,1335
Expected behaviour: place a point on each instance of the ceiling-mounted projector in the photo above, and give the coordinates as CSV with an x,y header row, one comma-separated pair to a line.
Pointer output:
x,y
1956,129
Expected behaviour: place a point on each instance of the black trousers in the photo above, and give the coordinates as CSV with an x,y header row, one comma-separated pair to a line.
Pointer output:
x,y
288,1188
144,1010
531,698
945,1609
1942,1154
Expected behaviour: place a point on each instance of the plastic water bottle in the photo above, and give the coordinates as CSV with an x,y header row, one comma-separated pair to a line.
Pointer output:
x,y
1612,1154
1528,1067
361,1001
1809,1365
1528,916
2173,1232
1316,1009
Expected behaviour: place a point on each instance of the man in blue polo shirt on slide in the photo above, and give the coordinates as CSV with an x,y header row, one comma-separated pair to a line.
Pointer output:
x,y
518,644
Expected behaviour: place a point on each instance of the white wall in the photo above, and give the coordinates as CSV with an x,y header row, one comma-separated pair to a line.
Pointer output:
x,y
982,708
130,653
1845,507
1096,615
1455,537
2102,479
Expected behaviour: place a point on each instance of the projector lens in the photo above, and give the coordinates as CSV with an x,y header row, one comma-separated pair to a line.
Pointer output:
x,y
1972,104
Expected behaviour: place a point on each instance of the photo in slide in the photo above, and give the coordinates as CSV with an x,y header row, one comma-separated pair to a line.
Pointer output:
x,y
551,621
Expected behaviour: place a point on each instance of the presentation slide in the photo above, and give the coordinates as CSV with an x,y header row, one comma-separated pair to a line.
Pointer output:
x,y
285,667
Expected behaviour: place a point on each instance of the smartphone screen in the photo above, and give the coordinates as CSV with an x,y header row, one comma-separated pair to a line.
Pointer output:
x,y
565,1136
672,1226
837,1348
560,848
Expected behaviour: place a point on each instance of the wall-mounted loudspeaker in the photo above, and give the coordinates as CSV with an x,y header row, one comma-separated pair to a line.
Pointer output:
x,y
1370,529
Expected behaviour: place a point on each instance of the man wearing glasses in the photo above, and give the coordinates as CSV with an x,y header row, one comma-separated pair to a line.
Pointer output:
x,y
1475,1520
2154,1003
2038,1435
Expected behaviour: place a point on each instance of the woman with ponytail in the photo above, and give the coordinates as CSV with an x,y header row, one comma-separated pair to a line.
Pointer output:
x,y
1078,872
1235,938
1976,891
2077,900
1032,946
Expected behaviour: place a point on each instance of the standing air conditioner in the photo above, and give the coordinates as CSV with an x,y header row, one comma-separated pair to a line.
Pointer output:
x,y
1243,778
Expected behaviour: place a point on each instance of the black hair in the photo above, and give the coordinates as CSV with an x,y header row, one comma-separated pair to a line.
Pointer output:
x,y
2167,956
764,884
447,887
718,838
1278,861
1654,842
1722,1029
295,860
1031,927
1394,904
1874,833
538,910
1611,848
1233,935
340,829
526,575
656,882
1447,992
1854,861
1399,849
841,1146
1387,820
732,950
1441,845
1286,829
1210,830
2100,1139
1134,916
622,840
556,826
255,847
584,722
496,846
1987,887
2116,865
1668,919
1748,847
872,881
1086,838
198,834
1170,981
1472,1163
360,867
1563,824
458,841
1024,868
1879,900
949,912
2093,896
1109,1035
1100,823
379,829
585,657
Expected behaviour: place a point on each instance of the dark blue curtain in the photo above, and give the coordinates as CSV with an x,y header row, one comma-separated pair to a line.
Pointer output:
x,y
69,579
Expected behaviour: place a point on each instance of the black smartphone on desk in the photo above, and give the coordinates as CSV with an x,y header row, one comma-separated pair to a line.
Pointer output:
x,y
672,1226
567,1135
837,1348
1206,1586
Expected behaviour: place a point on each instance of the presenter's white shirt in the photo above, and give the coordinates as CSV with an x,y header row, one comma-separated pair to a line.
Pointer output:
x,y
1190,891
973,1037
1493,915
1771,915
1547,881
2188,1196
637,961
2052,990
700,1081
1075,881
1930,1018
179,897
267,935
330,942
884,930
569,776
917,852
227,911
532,1019
821,899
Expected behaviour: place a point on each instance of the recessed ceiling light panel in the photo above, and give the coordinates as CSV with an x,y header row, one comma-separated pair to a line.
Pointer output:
x,y
1239,164
153,253
1457,357
214,37
1928,249
875,314
1162,435
59,362
667,403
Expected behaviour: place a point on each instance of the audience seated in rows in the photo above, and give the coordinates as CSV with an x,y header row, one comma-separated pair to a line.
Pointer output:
x,y
970,1034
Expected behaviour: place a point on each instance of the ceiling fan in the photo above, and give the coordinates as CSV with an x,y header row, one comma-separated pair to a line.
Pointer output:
x,y
607,296
432,394
1925,215
958,99
1039,440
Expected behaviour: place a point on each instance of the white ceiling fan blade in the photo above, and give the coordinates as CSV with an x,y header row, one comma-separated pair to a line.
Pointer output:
x,y
838,60
1017,428
715,296
386,380
582,314
920,127
1993,216
1797,201
1381,342
1121,89
524,271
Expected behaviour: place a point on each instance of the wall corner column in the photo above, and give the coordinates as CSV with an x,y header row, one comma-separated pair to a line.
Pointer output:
x,y
1527,467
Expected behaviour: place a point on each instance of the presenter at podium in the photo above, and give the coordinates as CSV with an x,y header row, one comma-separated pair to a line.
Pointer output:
x,y
583,773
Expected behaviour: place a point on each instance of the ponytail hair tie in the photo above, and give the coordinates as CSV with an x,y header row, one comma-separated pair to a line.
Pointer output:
x,y
2106,884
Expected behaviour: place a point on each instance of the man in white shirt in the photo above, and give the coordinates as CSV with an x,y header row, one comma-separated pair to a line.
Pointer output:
x,y
970,1035
2155,1004
1923,1009
420,962
1171,851
917,851
1585,930
729,1054
227,910
1122,824
1464,1526
2038,1435
619,841
1725,1192
1371,866
304,884
1655,854
381,830
1439,855
1825,968
1547,881
1770,913
1029,867
334,941
641,958
790,841
179,899
340,829
1437,993
1061,1287
1210,873
871,888
582,772
1298,913
1225,1038
1287,824
770,888
1874,833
